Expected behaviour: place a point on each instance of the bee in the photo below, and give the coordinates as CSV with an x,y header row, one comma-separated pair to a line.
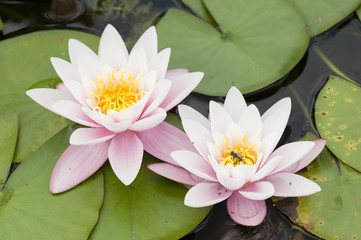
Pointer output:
x,y
236,156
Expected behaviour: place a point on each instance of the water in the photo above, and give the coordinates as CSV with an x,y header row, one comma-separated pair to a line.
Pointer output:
x,y
337,51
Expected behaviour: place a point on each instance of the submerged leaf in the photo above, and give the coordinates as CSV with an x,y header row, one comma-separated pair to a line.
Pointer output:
x,y
152,207
25,63
324,213
256,43
338,117
29,211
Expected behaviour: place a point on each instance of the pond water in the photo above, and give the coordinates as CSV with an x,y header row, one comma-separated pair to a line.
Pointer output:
x,y
337,51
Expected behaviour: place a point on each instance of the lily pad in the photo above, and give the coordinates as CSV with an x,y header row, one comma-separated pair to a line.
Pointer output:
x,y
24,62
198,8
152,207
248,50
29,211
335,212
338,115
1,24
8,136
321,15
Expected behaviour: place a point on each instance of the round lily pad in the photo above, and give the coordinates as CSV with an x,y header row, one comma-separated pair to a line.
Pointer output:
x,y
29,211
198,8
25,63
335,212
8,137
338,115
320,15
255,43
152,207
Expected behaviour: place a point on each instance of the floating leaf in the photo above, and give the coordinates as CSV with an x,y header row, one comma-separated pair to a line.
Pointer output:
x,y
8,136
198,8
321,15
256,43
335,212
338,117
29,211
152,207
1,24
25,63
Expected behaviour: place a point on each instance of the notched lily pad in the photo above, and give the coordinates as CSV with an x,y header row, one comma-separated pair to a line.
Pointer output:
x,y
335,212
8,136
321,15
29,211
338,115
152,207
248,50
199,8
25,63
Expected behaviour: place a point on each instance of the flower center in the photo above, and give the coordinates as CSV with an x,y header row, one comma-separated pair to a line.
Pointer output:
x,y
241,153
118,94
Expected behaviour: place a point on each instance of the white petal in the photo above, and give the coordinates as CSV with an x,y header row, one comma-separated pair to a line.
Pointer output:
x,y
160,63
160,91
137,61
250,122
76,49
206,194
258,191
186,112
219,118
152,120
235,104
148,41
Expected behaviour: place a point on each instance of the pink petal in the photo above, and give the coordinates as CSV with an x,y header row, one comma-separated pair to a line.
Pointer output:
x,y
250,122
76,164
198,135
186,112
160,91
164,139
70,77
160,63
87,136
258,190
117,127
268,143
175,173
182,86
246,211
73,111
170,74
195,164
308,158
231,182
292,185
275,118
268,167
235,100
206,194
76,49
137,61
219,118
152,120
47,96
112,50
125,156
98,117
148,41
291,153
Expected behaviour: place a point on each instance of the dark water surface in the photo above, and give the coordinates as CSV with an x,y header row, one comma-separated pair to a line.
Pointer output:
x,y
340,46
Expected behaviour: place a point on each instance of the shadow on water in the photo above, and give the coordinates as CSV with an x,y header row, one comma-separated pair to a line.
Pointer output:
x,y
337,51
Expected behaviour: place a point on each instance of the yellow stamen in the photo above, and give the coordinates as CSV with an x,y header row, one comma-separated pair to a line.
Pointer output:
x,y
241,153
117,94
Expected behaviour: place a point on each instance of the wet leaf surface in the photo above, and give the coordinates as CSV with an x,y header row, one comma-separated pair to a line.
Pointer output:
x,y
337,115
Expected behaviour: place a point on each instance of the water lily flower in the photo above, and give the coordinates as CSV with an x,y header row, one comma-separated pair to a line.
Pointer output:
x,y
120,97
233,158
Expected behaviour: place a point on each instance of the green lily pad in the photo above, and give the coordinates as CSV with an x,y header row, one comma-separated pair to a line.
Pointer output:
x,y
198,8
8,136
335,212
321,15
152,207
25,63
248,50
29,211
338,115
1,24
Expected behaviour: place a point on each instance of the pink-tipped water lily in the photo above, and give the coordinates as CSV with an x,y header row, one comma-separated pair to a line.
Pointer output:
x,y
120,97
233,158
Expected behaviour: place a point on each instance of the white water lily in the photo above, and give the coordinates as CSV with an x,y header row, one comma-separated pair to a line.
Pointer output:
x,y
120,97
233,158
